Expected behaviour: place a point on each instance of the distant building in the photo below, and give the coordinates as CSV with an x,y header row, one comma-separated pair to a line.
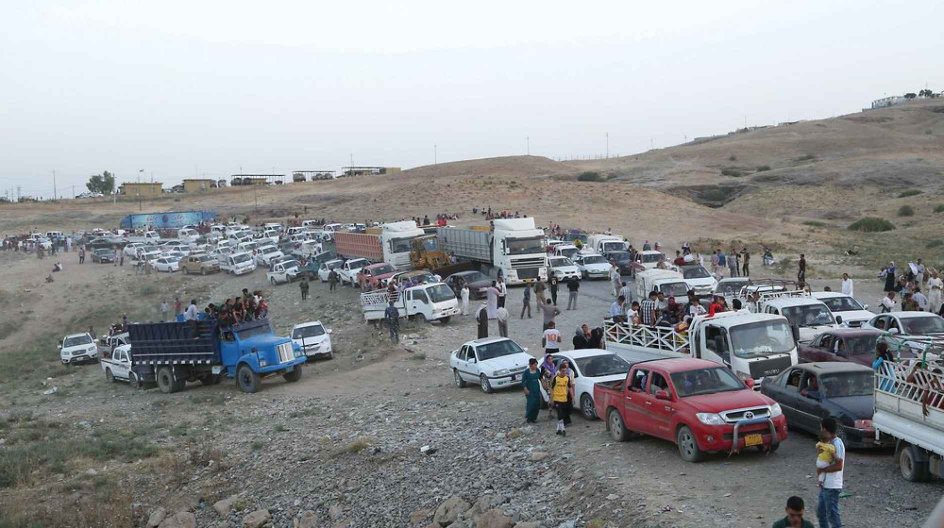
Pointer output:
x,y
256,179
198,185
141,190
368,171
885,102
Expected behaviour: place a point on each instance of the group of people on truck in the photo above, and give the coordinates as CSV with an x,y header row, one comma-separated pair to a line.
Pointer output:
x,y
234,310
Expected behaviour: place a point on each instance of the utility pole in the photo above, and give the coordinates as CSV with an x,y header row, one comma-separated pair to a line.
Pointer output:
x,y
435,155
528,139
55,194
607,145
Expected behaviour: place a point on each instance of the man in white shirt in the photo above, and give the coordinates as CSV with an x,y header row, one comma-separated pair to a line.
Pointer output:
x,y
191,313
920,299
827,509
848,288
888,302
502,291
502,316
552,339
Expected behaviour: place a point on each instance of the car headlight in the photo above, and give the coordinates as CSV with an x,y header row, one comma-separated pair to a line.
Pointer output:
x,y
91,349
710,418
502,372
263,363
775,410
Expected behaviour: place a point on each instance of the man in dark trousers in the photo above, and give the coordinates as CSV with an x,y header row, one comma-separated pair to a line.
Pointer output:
x,y
573,285
392,318
303,286
481,317
801,270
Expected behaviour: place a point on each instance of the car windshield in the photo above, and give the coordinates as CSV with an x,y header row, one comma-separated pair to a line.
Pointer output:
x,y
652,257
358,263
761,339
76,341
604,365
618,256
674,289
205,258
521,246
594,259
847,384
613,246
506,347
859,345
560,262
402,245
381,270
730,287
695,272
270,250
568,252
475,276
288,264
808,315
922,325
242,257
308,331
333,264
440,292
103,251
842,304
705,381
254,331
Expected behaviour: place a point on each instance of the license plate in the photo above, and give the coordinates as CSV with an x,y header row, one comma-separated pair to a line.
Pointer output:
x,y
753,440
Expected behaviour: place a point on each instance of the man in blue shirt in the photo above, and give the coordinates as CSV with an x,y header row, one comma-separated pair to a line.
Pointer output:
x,y
617,312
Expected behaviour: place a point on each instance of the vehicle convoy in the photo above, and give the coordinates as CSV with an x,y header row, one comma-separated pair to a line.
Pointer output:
x,y
810,315
847,311
669,283
590,366
592,265
313,339
434,302
347,272
699,405
76,348
809,392
513,248
171,354
753,346
391,243
909,408
490,362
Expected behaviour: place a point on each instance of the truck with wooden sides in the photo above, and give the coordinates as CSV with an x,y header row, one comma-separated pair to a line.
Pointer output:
x,y
512,248
391,243
171,354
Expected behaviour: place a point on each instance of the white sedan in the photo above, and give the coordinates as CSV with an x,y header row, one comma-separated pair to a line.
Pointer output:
x,y
591,366
845,307
592,265
491,363
698,279
563,268
168,264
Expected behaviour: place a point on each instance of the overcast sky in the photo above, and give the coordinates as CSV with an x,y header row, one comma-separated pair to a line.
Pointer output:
x,y
211,87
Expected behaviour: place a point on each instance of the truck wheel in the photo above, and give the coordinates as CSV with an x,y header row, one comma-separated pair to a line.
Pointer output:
x,y
109,376
165,380
134,380
247,380
688,446
461,383
614,423
587,408
294,375
445,320
486,386
912,468
272,280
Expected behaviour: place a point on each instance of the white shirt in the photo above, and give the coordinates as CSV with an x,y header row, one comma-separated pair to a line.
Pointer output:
x,y
191,313
502,315
834,480
921,300
465,294
552,339
935,283
847,287
888,303
502,289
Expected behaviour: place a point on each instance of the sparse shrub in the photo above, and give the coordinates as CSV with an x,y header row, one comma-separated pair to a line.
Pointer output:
x,y
356,446
763,168
806,157
939,208
934,243
731,172
871,224
910,192
732,157
906,210
814,223
589,176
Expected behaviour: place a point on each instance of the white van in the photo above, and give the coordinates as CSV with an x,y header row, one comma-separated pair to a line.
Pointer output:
x,y
603,244
670,283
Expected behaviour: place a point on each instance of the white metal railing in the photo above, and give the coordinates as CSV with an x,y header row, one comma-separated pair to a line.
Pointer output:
x,y
371,300
655,337
913,389
766,296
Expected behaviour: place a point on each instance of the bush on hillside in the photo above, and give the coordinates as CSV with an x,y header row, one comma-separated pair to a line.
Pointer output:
x,y
731,172
911,192
763,168
939,208
590,176
871,224
906,210
934,243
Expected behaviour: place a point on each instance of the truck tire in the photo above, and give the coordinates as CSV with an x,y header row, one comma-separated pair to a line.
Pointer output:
x,y
247,380
165,380
445,320
461,383
273,281
134,380
586,407
294,375
109,377
911,465
485,385
688,446
614,422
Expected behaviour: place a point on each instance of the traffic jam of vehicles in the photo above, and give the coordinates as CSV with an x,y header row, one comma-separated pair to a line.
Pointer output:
x,y
707,363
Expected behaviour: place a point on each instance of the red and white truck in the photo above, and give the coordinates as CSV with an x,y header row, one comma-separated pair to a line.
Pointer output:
x,y
699,405
391,243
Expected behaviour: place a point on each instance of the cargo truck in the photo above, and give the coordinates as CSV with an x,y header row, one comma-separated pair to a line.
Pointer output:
x,y
391,243
171,354
433,301
512,248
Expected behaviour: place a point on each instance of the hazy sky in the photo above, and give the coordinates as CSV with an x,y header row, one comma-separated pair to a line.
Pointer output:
x,y
191,88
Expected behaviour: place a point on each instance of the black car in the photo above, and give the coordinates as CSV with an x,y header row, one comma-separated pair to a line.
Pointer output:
x,y
99,243
809,392
623,261
476,280
103,256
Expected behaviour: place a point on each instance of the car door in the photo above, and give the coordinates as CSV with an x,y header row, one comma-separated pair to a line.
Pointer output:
x,y
634,403
822,350
808,402
659,413
420,303
121,364
785,391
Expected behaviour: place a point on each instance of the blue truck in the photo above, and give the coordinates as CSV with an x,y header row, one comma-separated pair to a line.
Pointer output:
x,y
171,354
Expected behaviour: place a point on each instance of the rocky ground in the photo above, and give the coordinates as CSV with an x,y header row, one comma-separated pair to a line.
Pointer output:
x,y
379,436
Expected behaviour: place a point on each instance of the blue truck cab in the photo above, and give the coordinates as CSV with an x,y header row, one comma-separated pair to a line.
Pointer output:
x,y
171,354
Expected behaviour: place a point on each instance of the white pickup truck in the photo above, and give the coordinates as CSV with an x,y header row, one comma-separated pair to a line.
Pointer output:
x,y
283,272
117,366
809,314
435,302
909,406
238,263
347,272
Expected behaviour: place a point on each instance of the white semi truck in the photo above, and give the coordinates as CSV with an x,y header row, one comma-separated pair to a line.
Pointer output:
x,y
390,243
512,248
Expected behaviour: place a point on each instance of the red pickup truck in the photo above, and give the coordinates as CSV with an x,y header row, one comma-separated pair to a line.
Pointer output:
x,y
700,405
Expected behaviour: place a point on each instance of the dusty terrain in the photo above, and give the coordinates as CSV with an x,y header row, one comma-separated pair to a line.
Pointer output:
x,y
345,442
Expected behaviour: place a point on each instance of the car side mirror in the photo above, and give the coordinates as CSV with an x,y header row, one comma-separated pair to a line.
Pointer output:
x,y
525,349
893,331
662,395
59,347
749,382
838,319
865,306
329,330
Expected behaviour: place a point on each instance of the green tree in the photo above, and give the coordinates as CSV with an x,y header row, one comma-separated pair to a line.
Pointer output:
x,y
101,183
910,95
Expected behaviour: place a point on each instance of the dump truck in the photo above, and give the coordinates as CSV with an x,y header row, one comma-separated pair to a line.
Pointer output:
x,y
512,248
391,243
171,354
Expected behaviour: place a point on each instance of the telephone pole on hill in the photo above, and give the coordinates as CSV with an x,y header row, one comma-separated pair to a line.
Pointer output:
x,y
54,193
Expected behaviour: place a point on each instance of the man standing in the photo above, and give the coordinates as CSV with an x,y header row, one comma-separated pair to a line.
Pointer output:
x,y
526,304
392,318
481,317
539,292
550,312
617,311
745,263
178,306
794,518
573,285
552,339
491,299
847,287
164,310
332,280
627,293
920,299
715,263
303,286
649,310
722,262
888,302
552,286
732,264
501,315
464,294
615,278
502,291
827,509
801,270
191,313
82,255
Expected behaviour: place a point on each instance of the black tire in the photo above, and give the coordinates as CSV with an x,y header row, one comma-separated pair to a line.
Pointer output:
x,y
294,375
247,380
911,466
461,383
485,385
273,281
134,380
109,376
614,423
688,446
587,408
165,380
445,320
